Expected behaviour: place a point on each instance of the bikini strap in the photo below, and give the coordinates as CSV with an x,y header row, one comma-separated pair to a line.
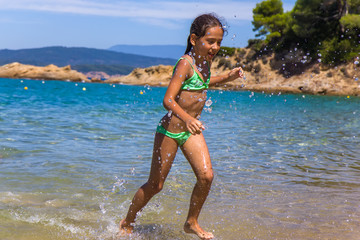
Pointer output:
x,y
186,60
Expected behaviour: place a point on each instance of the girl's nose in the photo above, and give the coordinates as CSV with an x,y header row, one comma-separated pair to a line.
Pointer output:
x,y
216,47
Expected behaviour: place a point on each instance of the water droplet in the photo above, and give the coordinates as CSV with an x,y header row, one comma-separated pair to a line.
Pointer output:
x,y
208,103
102,208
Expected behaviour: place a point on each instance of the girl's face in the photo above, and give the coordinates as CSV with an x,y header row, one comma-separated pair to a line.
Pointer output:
x,y
208,46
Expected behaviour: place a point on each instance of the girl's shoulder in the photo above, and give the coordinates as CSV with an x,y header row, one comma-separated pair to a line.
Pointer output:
x,y
184,63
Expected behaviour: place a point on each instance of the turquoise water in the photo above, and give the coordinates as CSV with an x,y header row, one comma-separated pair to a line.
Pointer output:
x,y
73,154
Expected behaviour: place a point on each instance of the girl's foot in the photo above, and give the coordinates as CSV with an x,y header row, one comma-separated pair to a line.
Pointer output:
x,y
196,229
125,229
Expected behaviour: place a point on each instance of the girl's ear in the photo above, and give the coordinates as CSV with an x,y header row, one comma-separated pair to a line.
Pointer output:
x,y
193,39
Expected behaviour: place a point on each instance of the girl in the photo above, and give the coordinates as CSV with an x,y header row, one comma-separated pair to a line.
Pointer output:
x,y
185,99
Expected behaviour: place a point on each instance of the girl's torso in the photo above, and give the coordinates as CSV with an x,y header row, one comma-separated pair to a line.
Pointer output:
x,y
191,98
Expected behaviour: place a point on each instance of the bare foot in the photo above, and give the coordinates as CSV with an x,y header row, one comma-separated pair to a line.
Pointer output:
x,y
125,229
196,229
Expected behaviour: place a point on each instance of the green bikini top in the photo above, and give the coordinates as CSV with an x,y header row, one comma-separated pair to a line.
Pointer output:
x,y
195,82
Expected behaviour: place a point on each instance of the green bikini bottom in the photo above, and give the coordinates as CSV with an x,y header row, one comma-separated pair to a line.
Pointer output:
x,y
179,137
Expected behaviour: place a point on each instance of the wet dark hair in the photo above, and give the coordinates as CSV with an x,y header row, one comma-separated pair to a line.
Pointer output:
x,y
201,24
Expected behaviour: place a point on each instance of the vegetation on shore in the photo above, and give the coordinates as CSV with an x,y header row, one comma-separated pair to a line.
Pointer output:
x,y
325,32
314,48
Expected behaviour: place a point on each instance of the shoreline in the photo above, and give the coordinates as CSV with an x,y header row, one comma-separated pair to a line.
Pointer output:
x,y
342,80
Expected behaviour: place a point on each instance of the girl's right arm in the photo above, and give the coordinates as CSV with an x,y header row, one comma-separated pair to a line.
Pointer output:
x,y
182,72
230,76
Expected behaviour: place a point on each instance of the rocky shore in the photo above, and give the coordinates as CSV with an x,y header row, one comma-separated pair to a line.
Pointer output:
x,y
50,72
266,74
263,74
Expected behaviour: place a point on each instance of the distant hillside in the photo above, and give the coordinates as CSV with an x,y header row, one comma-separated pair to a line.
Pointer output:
x,y
79,56
164,51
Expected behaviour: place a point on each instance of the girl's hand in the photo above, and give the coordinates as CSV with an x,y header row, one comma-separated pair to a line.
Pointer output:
x,y
194,126
236,73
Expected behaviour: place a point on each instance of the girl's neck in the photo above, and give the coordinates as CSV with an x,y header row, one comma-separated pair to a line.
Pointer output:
x,y
199,61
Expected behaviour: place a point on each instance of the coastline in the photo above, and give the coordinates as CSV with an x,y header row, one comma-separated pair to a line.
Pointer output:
x,y
17,70
313,79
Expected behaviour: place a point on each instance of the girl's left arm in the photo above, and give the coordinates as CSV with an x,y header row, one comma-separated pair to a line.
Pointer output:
x,y
230,76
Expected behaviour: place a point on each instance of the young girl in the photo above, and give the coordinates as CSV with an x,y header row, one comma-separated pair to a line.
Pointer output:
x,y
180,127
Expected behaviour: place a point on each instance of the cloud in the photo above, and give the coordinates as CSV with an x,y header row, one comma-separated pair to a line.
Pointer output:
x,y
161,10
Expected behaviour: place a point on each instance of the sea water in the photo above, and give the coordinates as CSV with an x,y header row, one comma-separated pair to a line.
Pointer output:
x,y
73,154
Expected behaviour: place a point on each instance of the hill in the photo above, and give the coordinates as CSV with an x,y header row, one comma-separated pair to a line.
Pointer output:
x,y
167,51
264,73
84,58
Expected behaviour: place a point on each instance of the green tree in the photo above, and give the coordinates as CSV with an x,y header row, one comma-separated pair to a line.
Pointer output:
x,y
315,19
269,19
326,29
353,6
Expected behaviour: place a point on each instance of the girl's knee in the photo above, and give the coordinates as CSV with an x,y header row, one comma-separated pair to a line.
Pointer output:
x,y
155,187
206,178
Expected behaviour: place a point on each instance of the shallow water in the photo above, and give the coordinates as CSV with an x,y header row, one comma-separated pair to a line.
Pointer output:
x,y
286,166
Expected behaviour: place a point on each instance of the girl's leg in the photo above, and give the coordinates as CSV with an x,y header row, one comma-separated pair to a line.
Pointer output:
x,y
197,153
164,152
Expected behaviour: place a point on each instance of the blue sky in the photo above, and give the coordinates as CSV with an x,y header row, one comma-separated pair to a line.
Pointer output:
x,y
104,23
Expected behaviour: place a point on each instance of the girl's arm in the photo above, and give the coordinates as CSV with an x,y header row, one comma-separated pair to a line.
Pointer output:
x,y
182,72
230,76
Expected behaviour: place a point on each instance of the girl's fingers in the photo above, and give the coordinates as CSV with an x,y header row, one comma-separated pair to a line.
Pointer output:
x,y
195,127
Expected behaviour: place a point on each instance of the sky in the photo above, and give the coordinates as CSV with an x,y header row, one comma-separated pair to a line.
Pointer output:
x,y
105,23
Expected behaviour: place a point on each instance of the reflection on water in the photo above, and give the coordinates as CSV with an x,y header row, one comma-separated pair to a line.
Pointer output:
x,y
286,166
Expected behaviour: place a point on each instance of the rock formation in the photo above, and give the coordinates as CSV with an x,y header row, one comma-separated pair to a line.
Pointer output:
x,y
50,72
292,73
261,76
152,76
